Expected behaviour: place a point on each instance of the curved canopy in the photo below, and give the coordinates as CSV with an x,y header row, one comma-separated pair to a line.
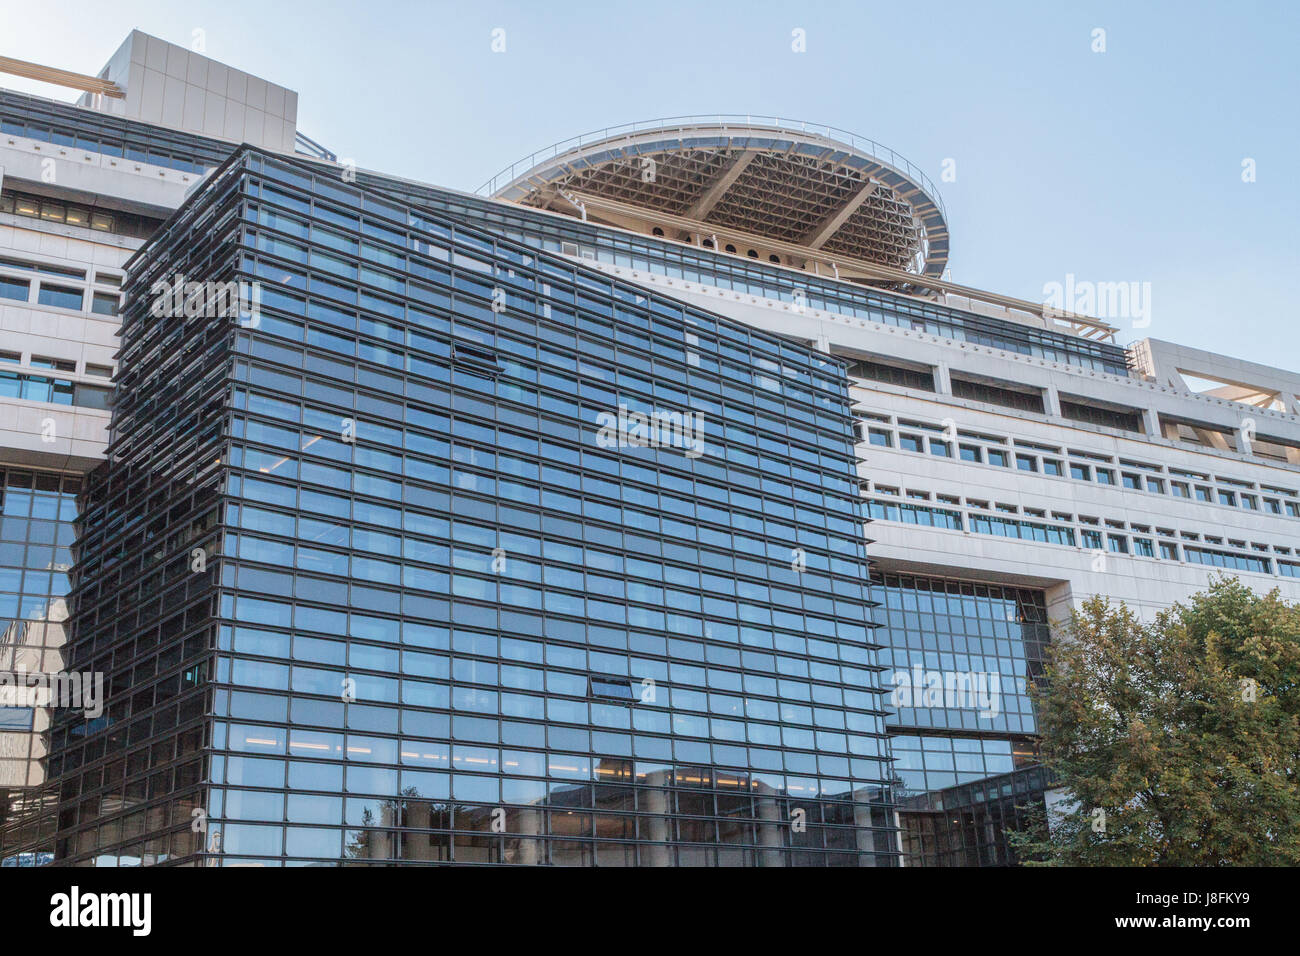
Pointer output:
x,y
813,187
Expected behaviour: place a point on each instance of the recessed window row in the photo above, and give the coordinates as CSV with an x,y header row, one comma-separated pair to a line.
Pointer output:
x,y
49,363
1089,534
58,287
919,438
55,391
76,128
72,214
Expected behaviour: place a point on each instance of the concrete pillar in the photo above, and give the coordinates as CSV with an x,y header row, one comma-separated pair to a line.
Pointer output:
x,y
942,380
1151,422
1052,401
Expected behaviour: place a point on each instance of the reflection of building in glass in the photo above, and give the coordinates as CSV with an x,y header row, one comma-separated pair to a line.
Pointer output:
x,y
951,629
966,825
36,531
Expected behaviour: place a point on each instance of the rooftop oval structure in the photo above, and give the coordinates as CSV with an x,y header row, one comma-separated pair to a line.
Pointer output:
x,y
765,187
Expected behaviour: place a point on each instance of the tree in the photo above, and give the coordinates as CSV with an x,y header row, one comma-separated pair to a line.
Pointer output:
x,y
1177,743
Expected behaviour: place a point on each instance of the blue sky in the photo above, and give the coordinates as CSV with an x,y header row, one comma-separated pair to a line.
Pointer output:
x,y
1117,166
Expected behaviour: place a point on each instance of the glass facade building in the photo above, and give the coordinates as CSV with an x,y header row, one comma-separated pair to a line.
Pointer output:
x,y
948,644
372,584
37,514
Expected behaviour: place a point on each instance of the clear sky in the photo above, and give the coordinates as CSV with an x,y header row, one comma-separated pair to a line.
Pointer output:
x,y
1115,166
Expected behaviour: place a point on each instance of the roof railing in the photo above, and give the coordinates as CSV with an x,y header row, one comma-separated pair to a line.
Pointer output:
x,y
861,144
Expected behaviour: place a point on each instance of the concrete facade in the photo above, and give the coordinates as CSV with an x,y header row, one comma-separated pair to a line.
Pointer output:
x,y
169,85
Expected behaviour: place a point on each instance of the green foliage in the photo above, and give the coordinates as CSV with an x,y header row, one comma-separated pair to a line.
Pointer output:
x,y
1184,732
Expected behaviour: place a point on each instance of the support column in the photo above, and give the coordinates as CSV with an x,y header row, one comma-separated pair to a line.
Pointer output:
x,y
942,379
1151,422
1052,401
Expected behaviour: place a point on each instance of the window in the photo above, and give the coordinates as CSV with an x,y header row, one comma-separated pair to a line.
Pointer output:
x,y
1227,498
101,371
1132,481
16,718
1051,467
879,437
1169,550
1105,476
1026,463
909,442
997,395
104,303
1144,547
1127,420
1156,486
940,448
60,297
1202,493
91,396
1179,489
971,453
612,687
1080,472
18,289
997,457
893,375
58,365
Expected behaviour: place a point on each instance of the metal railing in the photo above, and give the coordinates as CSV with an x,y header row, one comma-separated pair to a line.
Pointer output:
x,y
309,147
869,147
